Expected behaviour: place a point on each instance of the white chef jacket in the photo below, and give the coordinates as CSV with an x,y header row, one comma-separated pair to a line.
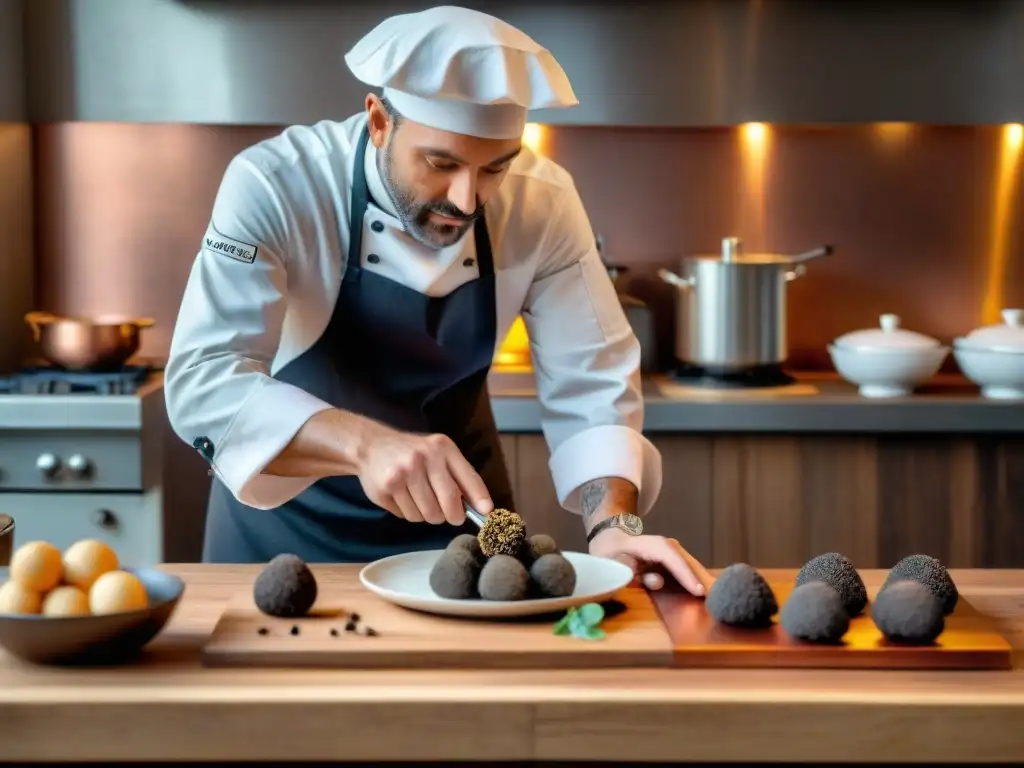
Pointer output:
x,y
268,273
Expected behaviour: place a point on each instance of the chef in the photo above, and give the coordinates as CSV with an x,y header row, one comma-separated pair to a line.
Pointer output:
x,y
356,278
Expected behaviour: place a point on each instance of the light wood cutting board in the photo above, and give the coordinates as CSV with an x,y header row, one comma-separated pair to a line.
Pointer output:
x,y
636,636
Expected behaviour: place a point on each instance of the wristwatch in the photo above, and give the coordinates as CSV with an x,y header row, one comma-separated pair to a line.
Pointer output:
x,y
631,524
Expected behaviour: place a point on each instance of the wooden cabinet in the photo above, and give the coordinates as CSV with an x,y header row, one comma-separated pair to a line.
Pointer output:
x,y
776,501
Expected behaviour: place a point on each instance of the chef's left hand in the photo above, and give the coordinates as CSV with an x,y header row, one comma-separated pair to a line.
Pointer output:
x,y
642,552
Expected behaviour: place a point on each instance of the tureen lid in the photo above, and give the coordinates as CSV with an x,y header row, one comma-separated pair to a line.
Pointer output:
x,y
888,336
1007,336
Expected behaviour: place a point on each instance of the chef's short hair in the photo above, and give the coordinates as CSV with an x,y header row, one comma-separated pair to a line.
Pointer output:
x,y
389,109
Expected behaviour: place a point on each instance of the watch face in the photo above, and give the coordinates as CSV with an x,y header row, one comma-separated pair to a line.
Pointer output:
x,y
632,524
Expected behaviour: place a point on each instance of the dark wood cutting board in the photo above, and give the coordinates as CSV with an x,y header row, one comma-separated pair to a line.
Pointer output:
x,y
970,640
636,637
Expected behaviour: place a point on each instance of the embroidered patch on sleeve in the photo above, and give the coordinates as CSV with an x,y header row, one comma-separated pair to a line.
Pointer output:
x,y
216,243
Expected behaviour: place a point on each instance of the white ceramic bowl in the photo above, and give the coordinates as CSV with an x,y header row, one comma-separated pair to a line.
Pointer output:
x,y
999,373
887,372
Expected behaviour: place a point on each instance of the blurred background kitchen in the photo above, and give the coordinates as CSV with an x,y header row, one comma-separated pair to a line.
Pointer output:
x,y
890,132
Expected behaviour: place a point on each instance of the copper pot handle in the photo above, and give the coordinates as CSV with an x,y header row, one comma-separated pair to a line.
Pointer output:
x,y
37,319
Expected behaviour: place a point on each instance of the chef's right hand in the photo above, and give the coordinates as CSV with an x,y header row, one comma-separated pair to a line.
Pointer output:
x,y
421,478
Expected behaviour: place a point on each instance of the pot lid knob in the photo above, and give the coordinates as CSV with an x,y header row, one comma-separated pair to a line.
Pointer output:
x,y
889,322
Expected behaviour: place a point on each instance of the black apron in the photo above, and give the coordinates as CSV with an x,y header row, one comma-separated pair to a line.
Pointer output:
x,y
415,362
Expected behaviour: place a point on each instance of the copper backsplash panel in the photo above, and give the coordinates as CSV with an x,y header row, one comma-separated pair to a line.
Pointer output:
x,y
913,212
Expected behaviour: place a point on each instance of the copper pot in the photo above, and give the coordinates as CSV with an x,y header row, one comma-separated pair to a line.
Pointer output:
x,y
86,344
6,539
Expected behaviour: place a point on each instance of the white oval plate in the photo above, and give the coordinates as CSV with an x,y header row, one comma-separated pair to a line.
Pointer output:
x,y
405,580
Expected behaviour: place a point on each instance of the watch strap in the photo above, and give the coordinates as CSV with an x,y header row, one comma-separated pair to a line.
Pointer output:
x,y
608,522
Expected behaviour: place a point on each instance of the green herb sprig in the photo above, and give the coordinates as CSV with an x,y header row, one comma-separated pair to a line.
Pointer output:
x,y
582,622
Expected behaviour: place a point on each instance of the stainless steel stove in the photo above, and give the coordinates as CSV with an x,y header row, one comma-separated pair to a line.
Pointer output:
x,y
81,457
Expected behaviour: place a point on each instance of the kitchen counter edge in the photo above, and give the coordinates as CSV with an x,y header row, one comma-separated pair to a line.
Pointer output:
x,y
836,408
951,408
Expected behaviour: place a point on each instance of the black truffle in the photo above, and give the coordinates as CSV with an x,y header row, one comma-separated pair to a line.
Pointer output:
x,y
469,543
455,574
931,573
552,575
503,578
815,612
838,572
503,533
536,547
908,612
740,596
285,587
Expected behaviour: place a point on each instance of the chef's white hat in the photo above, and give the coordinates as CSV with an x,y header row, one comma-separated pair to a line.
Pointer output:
x,y
460,70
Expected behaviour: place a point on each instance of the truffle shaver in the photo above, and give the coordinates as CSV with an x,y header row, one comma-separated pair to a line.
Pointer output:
x,y
475,517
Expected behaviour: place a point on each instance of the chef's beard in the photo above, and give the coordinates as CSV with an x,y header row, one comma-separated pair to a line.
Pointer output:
x,y
415,216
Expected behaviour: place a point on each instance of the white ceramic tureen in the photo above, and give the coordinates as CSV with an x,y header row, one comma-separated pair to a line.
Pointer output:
x,y
887,361
993,357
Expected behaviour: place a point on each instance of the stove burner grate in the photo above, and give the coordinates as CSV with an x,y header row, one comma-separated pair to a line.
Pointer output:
x,y
745,378
55,381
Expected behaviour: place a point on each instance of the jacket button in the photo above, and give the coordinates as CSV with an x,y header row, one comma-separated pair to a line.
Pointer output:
x,y
373,258
377,226
468,263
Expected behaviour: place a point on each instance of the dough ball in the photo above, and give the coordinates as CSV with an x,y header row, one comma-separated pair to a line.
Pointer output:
x,y
552,575
37,565
286,587
908,612
467,542
16,598
504,578
503,533
929,572
455,574
535,547
815,612
87,560
66,601
740,596
838,572
117,592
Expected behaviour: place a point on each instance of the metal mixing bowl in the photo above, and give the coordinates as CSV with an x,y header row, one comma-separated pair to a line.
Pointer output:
x,y
84,343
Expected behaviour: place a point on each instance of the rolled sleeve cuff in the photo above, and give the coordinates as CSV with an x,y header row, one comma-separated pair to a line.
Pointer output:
x,y
606,451
263,426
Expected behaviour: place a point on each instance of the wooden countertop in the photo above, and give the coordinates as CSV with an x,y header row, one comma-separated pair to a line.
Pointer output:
x,y
171,708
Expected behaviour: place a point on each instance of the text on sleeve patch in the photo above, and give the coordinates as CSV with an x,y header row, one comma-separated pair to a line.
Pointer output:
x,y
217,243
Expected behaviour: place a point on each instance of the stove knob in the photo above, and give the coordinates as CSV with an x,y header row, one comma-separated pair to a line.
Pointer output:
x,y
79,465
104,518
48,464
